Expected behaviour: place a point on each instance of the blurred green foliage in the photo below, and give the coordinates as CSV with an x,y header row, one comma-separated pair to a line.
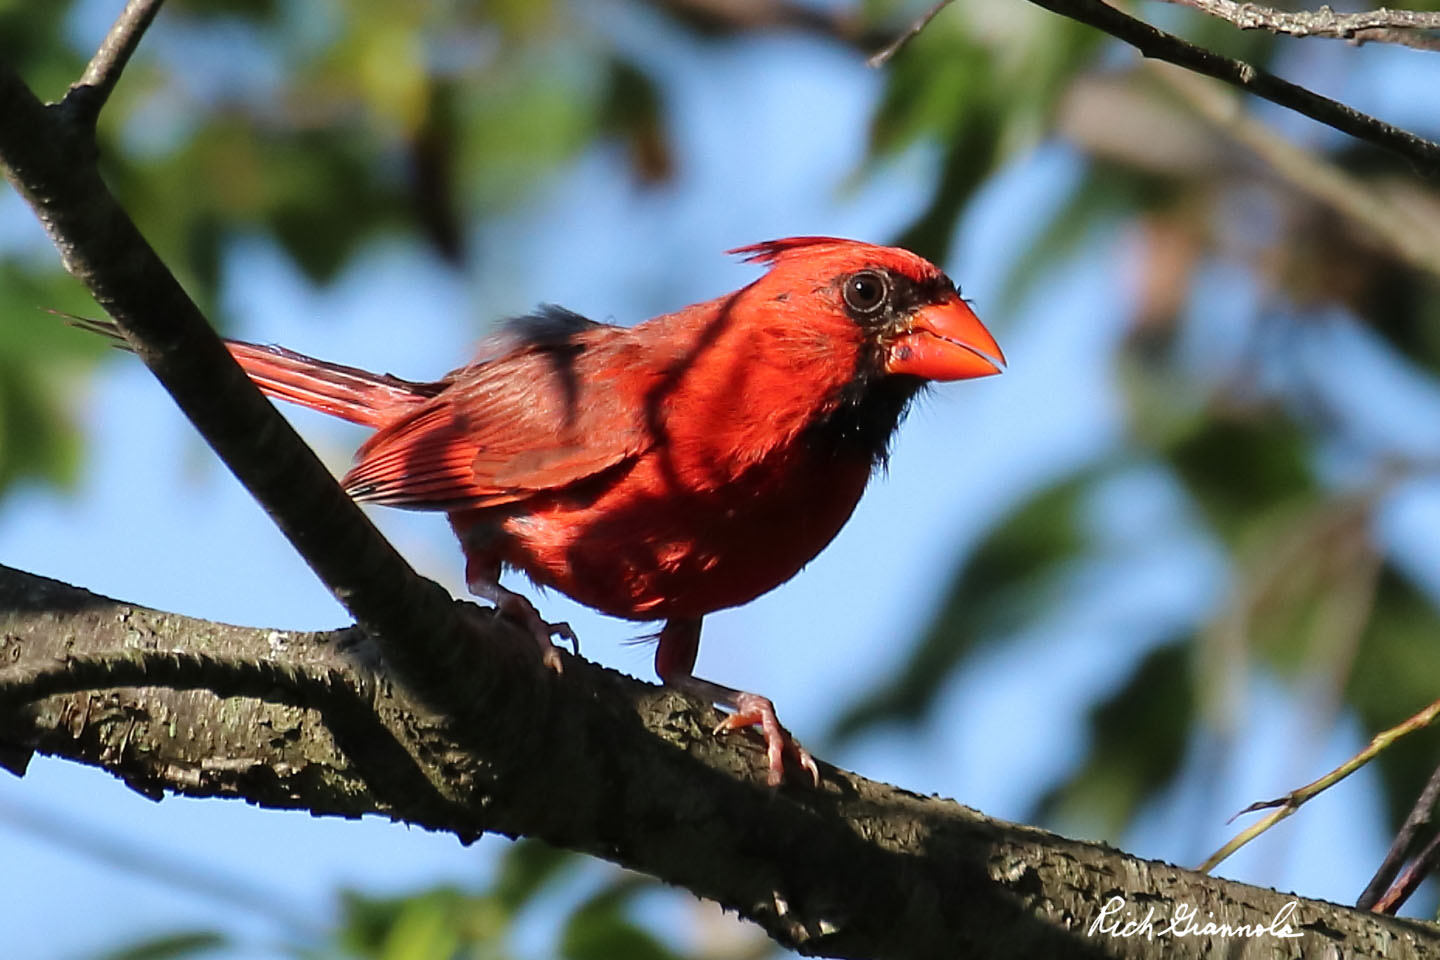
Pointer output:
x,y
374,111
42,371
417,119
1139,736
1008,575
452,923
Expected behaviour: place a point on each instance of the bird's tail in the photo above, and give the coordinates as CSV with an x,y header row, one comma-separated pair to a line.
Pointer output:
x,y
369,399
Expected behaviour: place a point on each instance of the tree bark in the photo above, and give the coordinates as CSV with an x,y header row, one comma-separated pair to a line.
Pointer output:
x,y
601,763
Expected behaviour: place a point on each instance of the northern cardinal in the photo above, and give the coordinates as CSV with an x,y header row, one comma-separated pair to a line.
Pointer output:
x,y
667,470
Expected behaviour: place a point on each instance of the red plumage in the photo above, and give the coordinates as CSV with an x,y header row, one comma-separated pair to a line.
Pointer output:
x,y
687,464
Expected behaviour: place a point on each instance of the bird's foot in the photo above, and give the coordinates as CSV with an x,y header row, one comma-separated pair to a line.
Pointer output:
x,y
754,710
510,604
675,658
522,611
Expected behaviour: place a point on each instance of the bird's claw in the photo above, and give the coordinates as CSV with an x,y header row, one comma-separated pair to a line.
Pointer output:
x,y
549,653
754,710
521,610
562,630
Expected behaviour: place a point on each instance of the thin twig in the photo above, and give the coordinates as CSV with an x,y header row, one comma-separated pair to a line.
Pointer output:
x,y
880,57
87,96
1316,23
1159,45
1151,42
1284,806
49,161
1410,880
1404,841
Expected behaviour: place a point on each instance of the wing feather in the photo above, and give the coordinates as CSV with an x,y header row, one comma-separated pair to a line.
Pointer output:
x,y
549,410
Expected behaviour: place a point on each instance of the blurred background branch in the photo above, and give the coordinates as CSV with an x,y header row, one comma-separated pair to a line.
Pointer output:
x,y
1405,219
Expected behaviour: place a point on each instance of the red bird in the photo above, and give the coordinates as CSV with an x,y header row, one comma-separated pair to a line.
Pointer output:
x,y
667,470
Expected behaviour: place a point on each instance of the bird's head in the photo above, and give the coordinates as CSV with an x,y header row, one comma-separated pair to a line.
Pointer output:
x,y
905,312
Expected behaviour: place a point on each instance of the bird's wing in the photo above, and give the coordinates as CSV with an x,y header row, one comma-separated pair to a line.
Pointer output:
x,y
553,400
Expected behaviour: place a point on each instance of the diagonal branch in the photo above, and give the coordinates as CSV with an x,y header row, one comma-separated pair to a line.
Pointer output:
x,y
853,869
1406,838
749,15
50,162
1159,45
1426,863
881,57
1393,26
87,97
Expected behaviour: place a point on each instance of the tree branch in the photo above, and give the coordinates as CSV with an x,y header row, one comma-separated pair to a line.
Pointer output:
x,y
87,97
1150,41
1392,26
854,869
1406,839
1417,873
881,57
1404,38
50,162
1159,45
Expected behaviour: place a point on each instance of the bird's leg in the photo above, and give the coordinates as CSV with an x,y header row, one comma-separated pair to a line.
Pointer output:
x,y
482,576
674,661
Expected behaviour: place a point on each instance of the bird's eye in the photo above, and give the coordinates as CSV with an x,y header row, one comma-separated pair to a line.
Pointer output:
x,y
865,291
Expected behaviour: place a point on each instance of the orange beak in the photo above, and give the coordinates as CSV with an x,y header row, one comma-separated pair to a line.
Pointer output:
x,y
946,341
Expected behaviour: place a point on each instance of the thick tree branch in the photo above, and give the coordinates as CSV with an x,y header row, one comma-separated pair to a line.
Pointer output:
x,y
1392,26
855,868
50,161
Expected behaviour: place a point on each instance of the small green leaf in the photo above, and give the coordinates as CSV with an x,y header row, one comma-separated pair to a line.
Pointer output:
x,y
424,929
633,112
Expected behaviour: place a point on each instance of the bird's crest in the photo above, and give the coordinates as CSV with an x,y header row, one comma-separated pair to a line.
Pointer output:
x,y
771,250
819,255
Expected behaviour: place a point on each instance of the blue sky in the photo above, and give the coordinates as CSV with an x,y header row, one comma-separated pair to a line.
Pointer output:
x,y
157,521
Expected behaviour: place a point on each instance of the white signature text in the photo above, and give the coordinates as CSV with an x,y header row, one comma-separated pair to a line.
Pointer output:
x,y
1116,919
